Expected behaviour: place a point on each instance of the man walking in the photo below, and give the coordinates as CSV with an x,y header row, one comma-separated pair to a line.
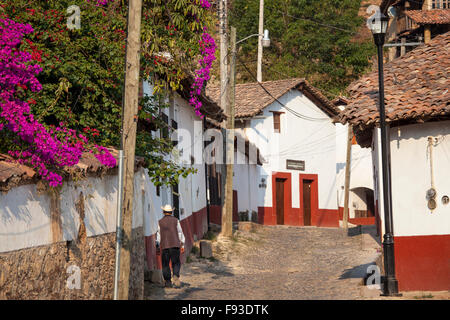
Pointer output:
x,y
170,238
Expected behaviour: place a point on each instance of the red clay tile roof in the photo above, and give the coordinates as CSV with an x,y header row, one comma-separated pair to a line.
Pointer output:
x,y
251,99
435,16
13,174
416,88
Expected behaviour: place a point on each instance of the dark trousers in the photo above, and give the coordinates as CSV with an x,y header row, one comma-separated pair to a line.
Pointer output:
x,y
170,254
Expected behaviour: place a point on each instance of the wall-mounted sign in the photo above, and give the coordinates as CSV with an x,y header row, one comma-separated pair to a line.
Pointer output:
x,y
295,165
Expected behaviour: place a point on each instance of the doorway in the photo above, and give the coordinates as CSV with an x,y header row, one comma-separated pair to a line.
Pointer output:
x,y
279,192
307,186
309,199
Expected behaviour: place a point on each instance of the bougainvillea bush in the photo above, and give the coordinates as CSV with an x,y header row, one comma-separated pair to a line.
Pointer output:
x,y
70,93
42,147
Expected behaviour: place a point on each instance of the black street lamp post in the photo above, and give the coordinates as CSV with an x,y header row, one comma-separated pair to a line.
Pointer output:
x,y
378,25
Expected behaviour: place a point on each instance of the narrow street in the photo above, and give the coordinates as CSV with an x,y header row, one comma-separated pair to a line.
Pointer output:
x,y
277,262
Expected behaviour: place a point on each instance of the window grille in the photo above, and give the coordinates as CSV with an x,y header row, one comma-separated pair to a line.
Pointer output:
x,y
440,4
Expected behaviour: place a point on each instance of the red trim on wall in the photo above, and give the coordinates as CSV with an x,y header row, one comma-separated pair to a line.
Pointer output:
x,y
150,250
287,197
215,211
314,196
297,217
294,216
422,262
368,221
328,218
265,216
357,221
215,214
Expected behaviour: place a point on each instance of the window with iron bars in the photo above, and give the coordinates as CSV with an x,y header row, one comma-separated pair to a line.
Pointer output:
x,y
440,4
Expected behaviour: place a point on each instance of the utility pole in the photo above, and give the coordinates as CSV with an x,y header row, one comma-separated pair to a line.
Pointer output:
x,y
223,25
260,46
227,212
129,126
227,227
348,163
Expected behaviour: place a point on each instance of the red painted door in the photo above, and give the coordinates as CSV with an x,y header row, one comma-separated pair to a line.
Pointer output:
x,y
279,191
307,202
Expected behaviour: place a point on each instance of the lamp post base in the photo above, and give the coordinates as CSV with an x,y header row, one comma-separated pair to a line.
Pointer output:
x,y
390,287
390,282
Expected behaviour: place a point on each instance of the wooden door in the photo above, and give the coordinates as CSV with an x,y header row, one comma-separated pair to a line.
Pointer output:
x,y
279,192
307,202
176,201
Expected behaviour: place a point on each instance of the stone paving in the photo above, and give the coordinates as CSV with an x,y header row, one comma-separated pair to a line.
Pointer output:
x,y
279,263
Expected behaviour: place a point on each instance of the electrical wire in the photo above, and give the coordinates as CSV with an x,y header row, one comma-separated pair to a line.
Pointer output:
x,y
297,114
271,66
317,22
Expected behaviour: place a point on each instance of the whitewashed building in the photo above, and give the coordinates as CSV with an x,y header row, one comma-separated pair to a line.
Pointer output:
x,y
189,197
418,111
361,195
60,243
291,124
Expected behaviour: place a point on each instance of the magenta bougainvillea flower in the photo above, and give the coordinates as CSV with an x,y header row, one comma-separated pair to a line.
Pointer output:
x,y
202,75
47,148
101,2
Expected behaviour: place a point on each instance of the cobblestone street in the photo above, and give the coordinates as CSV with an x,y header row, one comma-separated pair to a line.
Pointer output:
x,y
278,262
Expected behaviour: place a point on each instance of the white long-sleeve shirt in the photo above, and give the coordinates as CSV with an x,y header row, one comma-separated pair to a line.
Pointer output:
x,y
179,230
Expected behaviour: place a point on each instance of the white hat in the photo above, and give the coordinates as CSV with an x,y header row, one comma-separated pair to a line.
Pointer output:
x,y
167,208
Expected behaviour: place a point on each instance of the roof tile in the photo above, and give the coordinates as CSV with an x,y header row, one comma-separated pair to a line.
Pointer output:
x,y
435,16
416,86
251,98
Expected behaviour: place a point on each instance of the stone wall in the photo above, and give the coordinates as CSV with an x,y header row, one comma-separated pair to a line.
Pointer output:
x,y
45,272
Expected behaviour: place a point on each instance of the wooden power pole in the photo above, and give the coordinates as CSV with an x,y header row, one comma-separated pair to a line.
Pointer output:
x,y
260,46
227,211
347,175
223,26
129,126
227,219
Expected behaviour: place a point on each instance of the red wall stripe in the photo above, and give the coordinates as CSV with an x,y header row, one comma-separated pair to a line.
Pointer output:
x,y
422,262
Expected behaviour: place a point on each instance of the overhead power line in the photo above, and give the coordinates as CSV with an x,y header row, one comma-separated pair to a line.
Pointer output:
x,y
318,22
271,67
297,114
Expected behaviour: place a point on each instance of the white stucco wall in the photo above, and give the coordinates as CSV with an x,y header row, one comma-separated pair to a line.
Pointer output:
x,y
361,172
25,215
245,182
311,141
192,189
411,178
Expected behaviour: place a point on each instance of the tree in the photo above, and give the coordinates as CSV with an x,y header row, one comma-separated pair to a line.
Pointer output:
x,y
82,69
310,39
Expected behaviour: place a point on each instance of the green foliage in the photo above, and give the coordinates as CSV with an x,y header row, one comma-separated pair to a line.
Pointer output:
x,y
83,70
302,46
